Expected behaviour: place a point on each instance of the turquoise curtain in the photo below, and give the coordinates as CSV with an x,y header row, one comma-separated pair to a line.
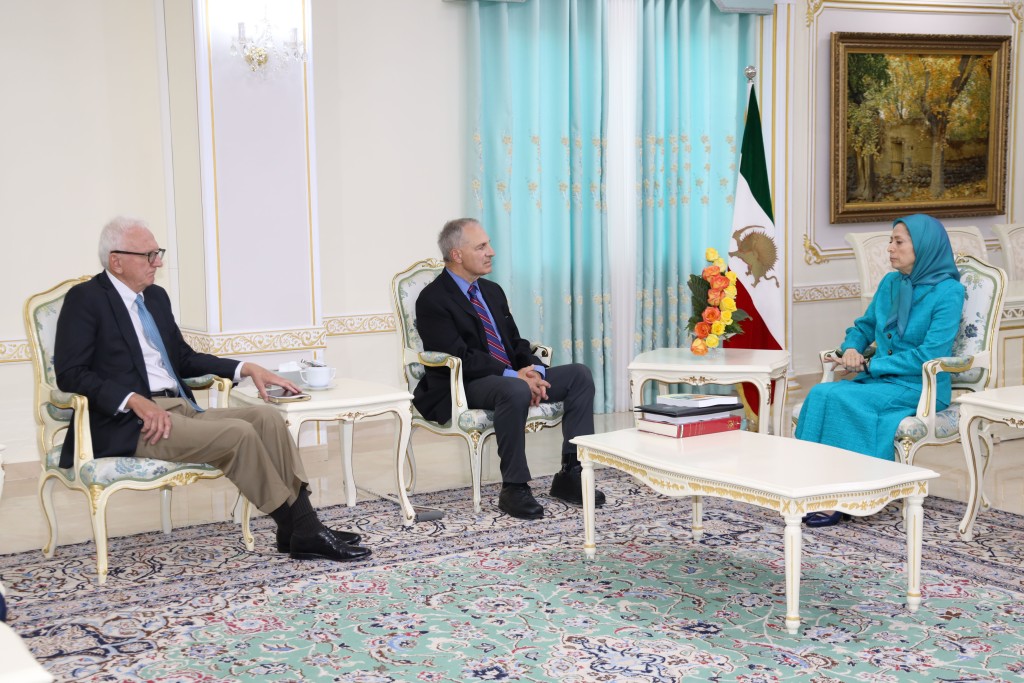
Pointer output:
x,y
538,101
691,124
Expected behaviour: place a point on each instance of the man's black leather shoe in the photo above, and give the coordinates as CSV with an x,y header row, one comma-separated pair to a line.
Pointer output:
x,y
284,540
324,546
567,486
517,500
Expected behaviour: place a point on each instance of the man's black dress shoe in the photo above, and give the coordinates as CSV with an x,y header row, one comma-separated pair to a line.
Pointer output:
x,y
567,486
517,500
284,540
324,546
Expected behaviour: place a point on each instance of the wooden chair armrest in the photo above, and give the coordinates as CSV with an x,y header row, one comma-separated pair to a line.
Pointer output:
x,y
543,352
61,399
83,432
201,382
438,359
222,385
828,372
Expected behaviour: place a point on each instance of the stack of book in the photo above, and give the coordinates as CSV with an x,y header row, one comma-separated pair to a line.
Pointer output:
x,y
682,415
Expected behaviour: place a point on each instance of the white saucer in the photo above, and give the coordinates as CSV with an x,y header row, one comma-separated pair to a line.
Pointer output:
x,y
306,387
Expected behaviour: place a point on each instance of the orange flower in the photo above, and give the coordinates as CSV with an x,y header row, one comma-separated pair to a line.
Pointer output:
x,y
702,330
710,272
715,296
698,347
711,314
719,282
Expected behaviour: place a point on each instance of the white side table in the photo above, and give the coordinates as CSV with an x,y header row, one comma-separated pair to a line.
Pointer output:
x,y
1005,405
346,401
761,368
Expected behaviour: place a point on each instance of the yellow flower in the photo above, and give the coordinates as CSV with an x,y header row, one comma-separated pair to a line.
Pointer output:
x,y
731,291
710,254
731,275
726,317
728,304
711,341
717,327
720,263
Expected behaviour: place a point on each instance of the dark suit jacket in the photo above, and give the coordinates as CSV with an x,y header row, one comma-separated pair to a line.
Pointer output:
x,y
97,354
447,322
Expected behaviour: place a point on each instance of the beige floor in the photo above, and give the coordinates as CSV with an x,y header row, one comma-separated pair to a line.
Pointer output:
x,y
441,464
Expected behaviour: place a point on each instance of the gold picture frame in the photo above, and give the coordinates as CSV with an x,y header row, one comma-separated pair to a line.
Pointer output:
x,y
919,125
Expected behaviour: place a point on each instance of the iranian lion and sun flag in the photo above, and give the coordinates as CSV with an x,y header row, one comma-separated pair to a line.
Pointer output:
x,y
754,249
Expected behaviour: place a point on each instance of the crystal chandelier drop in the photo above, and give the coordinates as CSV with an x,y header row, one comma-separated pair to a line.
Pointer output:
x,y
263,54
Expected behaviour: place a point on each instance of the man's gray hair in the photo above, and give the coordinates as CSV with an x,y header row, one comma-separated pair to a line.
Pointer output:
x,y
112,235
451,236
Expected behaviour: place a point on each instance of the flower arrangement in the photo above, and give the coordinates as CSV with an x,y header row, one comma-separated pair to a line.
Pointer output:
x,y
713,296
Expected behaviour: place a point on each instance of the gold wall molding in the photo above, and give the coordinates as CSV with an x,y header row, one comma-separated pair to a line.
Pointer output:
x,y
241,343
813,7
812,255
372,323
263,341
1012,313
829,292
14,351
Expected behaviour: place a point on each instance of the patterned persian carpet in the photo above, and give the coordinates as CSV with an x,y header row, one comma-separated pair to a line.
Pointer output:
x,y
485,597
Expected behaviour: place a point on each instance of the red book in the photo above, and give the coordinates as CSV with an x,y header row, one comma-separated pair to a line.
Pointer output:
x,y
678,431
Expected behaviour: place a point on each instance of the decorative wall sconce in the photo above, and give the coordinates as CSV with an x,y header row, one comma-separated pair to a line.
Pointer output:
x,y
263,54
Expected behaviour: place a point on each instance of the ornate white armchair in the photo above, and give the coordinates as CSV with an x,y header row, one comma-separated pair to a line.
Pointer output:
x,y
1011,241
473,426
870,253
97,478
972,366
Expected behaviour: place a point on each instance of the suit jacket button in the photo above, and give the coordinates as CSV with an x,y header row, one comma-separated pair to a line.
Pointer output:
x,y
889,336
890,352
139,422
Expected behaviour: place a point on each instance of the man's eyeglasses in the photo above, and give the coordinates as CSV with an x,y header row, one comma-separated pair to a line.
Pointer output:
x,y
151,256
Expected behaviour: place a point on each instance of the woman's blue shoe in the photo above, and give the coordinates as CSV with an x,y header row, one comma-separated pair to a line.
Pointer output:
x,y
816,519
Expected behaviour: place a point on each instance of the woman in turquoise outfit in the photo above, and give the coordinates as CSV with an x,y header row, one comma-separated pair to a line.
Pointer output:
x,y
913,317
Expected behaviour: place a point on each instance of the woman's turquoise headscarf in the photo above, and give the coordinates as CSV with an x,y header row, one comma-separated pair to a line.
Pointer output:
x,y
933,263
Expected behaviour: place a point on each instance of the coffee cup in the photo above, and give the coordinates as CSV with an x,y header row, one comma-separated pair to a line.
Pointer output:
x,y
317,376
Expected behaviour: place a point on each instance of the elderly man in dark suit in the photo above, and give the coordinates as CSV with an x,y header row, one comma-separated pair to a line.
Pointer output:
x,y
462,314
118,345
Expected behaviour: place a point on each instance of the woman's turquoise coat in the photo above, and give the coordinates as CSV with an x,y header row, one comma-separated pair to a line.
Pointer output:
x,y
862,414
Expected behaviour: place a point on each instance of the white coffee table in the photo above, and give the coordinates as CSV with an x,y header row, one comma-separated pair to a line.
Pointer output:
x,y
790,476
727,366
346,401
1005,405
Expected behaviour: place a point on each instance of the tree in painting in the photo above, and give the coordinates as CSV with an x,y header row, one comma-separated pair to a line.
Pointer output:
x,y
917,126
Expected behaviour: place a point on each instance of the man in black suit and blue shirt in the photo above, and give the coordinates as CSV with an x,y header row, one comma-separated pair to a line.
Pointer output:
x,y
118,345
463,315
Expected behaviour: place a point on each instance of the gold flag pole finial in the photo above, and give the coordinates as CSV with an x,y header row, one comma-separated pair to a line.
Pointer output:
x,y
750,72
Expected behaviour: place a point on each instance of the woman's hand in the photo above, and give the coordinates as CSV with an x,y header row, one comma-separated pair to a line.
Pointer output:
x,y
853,361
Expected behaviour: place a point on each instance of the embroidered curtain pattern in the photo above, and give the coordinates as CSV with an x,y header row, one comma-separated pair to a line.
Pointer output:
x,y
690,123
538,176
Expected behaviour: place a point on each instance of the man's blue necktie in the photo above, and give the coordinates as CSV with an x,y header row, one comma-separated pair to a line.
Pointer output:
x,y
153,335
494,344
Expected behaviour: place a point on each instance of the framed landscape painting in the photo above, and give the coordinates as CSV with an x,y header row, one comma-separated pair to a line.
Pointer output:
x,y
919,125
